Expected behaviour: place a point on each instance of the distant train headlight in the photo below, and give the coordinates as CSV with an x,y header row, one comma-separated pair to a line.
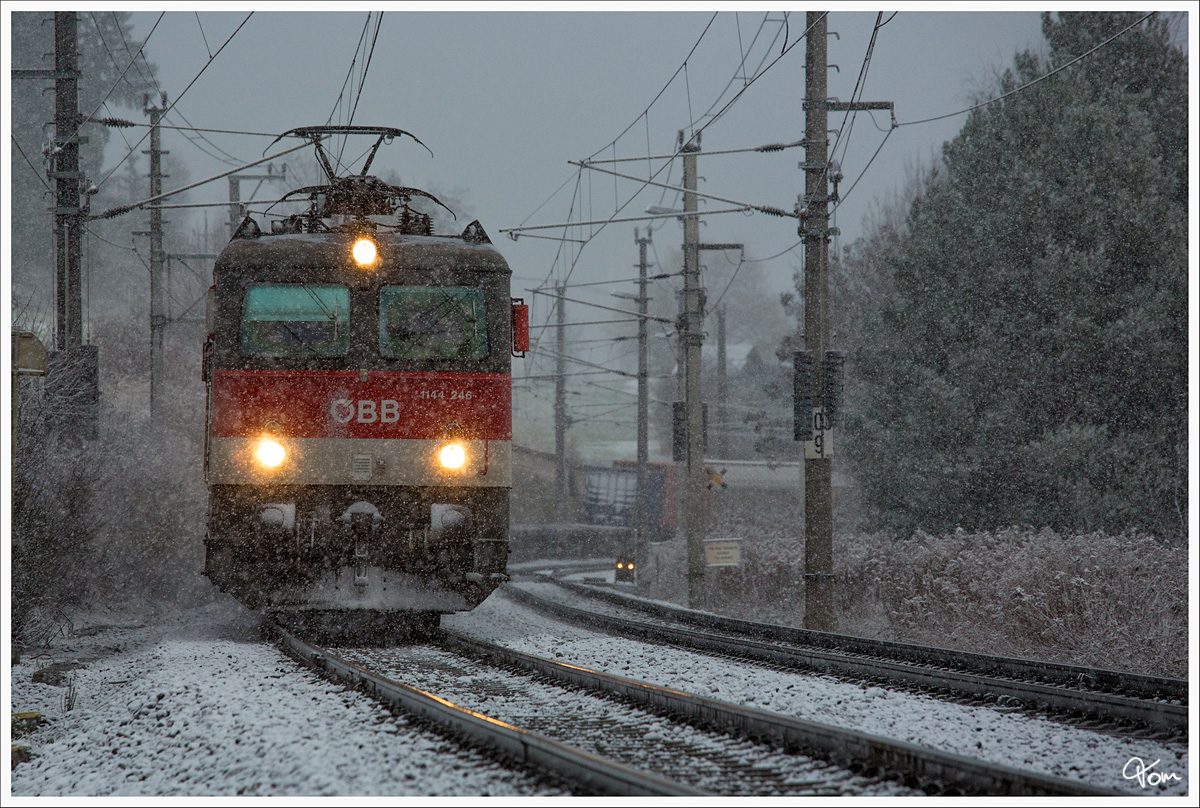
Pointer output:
x,y
269,452
452,456
364,252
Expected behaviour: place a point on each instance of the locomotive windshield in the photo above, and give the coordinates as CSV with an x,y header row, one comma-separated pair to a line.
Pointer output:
x,y
432,322
296,319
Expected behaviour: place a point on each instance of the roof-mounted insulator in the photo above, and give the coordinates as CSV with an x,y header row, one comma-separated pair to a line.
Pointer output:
x,y
248,229
475,234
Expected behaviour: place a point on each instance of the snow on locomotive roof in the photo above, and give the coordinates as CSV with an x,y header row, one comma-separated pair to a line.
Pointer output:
x,y
389,238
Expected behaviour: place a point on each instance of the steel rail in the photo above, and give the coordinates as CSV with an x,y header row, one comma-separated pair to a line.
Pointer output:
x,y
930,769
1154,714
593,772
1077,676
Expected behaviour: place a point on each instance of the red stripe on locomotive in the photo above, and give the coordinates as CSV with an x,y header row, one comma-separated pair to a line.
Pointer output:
x,y
337,404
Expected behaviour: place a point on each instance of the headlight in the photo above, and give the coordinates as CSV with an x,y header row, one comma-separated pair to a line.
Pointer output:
x,y
364,252
269,452
452,456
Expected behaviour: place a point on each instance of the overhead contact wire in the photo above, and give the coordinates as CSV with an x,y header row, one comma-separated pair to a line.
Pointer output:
x,y
180,96
366,68
1024,87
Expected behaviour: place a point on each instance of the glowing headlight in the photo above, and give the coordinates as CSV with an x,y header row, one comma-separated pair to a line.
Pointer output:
x,y
364,252
269,452
452,456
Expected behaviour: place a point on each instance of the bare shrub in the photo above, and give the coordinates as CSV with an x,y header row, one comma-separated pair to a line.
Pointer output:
x,y
1108,601
53,507
109,519
1091,599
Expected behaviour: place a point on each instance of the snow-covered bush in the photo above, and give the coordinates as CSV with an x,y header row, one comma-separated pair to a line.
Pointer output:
x,y
1111,601
1090,599
111,519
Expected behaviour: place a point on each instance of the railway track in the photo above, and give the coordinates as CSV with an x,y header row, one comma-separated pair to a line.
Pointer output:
x,y
622,736
1099,699
591,773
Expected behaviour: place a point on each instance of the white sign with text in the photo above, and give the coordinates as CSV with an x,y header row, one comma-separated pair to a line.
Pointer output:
x,y
821,446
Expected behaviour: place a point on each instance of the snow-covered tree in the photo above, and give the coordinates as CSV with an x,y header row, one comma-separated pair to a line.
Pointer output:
x,y
1029,365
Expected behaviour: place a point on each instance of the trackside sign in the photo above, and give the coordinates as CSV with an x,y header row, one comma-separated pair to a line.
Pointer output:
x,y
722,552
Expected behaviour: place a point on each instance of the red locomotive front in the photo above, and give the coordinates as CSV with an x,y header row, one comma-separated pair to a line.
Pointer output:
x,y
358,448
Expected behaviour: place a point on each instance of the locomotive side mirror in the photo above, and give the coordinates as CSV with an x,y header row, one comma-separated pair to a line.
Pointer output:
x,y
210,329
206,359
520,327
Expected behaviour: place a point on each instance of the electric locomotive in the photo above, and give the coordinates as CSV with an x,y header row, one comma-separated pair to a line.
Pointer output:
x,y
359,415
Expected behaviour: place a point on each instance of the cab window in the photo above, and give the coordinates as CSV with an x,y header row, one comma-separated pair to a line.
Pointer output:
x,y
296,319
432,322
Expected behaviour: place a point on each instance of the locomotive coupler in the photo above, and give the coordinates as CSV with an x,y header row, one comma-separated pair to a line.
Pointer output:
x,y
364,519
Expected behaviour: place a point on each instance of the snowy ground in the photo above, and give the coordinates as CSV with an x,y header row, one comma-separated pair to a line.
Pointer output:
x,y
1009,738
197,705
194,704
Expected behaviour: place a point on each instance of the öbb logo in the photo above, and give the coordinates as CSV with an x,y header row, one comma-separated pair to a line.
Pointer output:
x,y
344,410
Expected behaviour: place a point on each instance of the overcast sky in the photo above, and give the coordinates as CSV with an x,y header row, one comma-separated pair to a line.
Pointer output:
x,y
504,100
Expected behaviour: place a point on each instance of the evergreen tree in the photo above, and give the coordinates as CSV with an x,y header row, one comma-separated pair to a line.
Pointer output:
x,y
1030,363
1139,62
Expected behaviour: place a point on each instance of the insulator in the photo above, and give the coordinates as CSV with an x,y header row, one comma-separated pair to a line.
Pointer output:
x,y
773,147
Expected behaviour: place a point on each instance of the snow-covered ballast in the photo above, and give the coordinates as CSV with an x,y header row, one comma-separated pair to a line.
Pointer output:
x,y
358,451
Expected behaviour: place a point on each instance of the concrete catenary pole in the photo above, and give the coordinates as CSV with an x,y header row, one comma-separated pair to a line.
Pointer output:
x,y
693,501
818,471
67,217
643,407
816,233
722,389
158,310
237,211
678,417
560,410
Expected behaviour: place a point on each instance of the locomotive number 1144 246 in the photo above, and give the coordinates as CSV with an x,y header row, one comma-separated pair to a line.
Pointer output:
x,y
454,395
387,411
